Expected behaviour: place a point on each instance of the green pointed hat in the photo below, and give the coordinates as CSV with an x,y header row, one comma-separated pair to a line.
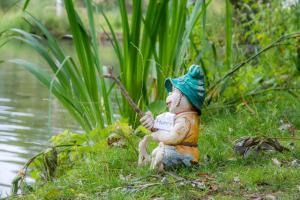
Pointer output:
x,y
191,85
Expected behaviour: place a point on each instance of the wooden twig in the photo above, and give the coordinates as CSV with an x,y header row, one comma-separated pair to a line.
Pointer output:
x,y
260,92
285,138
124,92
238,66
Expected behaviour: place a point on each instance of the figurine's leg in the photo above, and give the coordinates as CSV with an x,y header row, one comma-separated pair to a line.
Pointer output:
x,y
157,157
153,155
144,157
169,157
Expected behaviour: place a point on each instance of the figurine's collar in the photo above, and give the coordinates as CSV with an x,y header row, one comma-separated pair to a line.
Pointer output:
x,y
185,112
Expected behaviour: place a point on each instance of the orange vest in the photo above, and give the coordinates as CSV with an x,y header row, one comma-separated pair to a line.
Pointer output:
x,y
190,143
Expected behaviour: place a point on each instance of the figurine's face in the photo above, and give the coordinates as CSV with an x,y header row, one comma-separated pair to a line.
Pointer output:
x,y
177,102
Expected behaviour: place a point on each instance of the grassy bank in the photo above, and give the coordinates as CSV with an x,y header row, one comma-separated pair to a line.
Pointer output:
x,y
98,171
112,173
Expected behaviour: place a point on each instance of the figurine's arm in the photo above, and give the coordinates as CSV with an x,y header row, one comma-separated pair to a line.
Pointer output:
x,y
176,135
148,120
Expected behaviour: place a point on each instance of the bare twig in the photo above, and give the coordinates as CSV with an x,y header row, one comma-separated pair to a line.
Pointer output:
x,y
238,66
285,138
256,93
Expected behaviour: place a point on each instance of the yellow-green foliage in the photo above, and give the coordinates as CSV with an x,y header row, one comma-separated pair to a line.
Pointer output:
x,y
72,147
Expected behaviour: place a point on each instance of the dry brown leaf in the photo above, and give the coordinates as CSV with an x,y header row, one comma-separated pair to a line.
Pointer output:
x,y
246,146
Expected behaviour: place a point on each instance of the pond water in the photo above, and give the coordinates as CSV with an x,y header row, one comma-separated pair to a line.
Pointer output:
x,y
24,112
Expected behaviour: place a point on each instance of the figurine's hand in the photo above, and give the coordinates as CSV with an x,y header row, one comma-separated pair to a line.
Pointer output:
x,y
147,121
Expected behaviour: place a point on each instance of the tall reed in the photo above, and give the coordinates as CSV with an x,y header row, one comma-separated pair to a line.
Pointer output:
x,y
79,86
153,47
155,43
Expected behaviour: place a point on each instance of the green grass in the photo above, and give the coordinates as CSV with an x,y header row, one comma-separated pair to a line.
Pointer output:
x,y
98,175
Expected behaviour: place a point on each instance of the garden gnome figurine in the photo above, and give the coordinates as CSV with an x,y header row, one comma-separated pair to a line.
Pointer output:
x,y
177,130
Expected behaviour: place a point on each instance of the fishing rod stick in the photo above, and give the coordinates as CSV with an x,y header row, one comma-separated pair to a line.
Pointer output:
x,y
124,92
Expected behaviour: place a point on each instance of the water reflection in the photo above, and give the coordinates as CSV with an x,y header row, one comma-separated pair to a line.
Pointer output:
x,y
24,111
24,115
